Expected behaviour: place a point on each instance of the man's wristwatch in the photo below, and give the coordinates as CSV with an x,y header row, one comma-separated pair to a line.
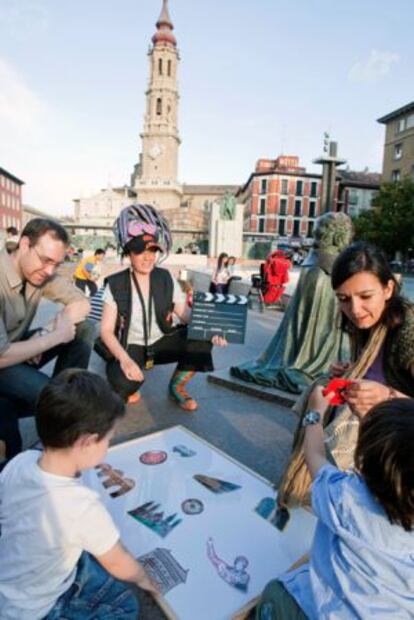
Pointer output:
x,y
311,417
43,331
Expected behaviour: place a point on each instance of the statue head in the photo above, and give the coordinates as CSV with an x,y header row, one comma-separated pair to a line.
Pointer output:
x,y
333,232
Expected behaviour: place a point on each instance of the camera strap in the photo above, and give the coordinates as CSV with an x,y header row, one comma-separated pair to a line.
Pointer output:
x,y
146,323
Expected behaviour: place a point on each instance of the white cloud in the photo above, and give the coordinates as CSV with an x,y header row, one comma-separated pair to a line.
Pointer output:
x,y
21,110
374,68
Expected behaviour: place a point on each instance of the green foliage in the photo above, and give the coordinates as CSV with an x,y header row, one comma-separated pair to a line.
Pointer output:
x,y
390,222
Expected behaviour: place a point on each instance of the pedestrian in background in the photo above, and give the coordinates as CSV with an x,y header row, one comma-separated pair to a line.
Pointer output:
x,y
88,271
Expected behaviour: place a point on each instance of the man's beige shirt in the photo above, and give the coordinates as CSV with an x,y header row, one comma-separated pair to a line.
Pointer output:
x,y
17,310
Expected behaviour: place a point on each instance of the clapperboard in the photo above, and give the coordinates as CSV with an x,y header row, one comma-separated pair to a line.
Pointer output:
x,y
218,315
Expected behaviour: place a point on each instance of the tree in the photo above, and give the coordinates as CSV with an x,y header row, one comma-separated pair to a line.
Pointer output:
x,y
390,222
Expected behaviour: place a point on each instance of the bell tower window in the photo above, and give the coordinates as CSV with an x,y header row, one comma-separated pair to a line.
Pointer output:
x,y
160,66
159,106
169,68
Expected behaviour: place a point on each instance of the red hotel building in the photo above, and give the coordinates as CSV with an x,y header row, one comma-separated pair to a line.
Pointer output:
x,y
10,200
281,198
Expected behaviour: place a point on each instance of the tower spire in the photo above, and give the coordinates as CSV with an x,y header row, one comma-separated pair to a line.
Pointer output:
x,y
165,27
164,18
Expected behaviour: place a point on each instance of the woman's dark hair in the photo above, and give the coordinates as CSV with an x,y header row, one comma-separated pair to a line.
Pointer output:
x,y
74,403
221,259
99,252
384,456
361,256
39,226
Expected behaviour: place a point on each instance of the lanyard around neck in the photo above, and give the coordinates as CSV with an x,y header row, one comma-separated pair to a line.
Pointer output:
x,y
146,324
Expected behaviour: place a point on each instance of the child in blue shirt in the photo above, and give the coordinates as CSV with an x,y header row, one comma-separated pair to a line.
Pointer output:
x,y
362,559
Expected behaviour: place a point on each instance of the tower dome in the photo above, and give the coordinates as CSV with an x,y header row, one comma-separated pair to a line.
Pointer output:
x,y
164,34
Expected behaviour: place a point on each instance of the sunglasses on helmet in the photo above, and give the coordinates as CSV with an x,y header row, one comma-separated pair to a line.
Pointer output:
x,y
136,229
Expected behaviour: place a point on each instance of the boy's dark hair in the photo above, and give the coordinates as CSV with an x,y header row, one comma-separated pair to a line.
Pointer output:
x,y
99,252
362,256
12,230
385,458
39,226
74,403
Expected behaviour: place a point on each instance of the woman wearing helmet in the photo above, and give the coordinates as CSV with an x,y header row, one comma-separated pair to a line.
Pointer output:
x,y
139,305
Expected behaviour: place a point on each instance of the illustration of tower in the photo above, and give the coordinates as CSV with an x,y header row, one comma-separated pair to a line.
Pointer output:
x,y
156,181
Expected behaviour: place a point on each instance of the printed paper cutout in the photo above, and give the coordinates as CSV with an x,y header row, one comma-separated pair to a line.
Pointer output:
x,y
215,485
269,510
192,506
114,477
149,514
235,575
163,569
153,457
184,451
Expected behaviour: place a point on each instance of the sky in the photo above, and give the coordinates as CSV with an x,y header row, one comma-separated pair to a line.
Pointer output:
x,y
257,78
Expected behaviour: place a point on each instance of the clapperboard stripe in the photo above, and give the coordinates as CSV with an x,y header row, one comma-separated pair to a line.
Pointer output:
x,y
218,298
218,315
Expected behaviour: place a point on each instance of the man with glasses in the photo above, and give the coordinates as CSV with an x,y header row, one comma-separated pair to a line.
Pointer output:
x,y
27,276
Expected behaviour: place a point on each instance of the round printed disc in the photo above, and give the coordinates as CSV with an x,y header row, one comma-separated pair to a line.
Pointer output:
x,y
192,506
153,457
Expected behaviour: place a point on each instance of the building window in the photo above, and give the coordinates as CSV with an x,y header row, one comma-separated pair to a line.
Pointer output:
x,y
401,125
299,188
281,227
312,208
298,208
159,66
261,225
159,107
398,151
352,197
314,189
284,187
283,206
410,121
310,228
395,176
296,228
263,186
169,68
262,206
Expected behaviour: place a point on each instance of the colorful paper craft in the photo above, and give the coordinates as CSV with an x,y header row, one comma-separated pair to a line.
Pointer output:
x,y
215,485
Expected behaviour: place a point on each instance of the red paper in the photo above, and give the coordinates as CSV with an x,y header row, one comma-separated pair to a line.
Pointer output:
x,y
336,387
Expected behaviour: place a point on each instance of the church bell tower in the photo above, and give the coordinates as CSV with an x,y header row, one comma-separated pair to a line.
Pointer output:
x,y
156,182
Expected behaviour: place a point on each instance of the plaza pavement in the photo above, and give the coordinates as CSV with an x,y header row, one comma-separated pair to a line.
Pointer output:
x,y
256,432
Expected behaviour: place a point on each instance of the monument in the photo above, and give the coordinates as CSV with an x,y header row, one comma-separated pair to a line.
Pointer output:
x,y
308,339
226,227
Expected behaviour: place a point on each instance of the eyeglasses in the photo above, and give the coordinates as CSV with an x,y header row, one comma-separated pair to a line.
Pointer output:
x,y
135,229
46,262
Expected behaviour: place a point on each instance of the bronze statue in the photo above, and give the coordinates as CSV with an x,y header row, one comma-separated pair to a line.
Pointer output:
x,y
308,339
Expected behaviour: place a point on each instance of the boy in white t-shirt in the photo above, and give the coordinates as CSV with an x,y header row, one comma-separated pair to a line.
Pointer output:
x,y
61,553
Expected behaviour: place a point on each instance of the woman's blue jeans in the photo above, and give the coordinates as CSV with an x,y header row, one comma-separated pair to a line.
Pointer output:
x,y
95,595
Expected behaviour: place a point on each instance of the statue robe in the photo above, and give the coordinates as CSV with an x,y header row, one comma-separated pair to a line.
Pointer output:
x,y
308,339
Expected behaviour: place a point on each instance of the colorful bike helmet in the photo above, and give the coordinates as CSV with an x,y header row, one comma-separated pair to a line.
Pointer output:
x,y
142,221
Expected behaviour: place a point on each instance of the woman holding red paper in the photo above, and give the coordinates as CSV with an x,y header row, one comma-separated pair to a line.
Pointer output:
x,y
380,324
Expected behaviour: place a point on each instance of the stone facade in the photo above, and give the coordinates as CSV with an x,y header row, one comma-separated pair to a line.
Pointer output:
x,y
10,200
157,180
100,210
398,159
